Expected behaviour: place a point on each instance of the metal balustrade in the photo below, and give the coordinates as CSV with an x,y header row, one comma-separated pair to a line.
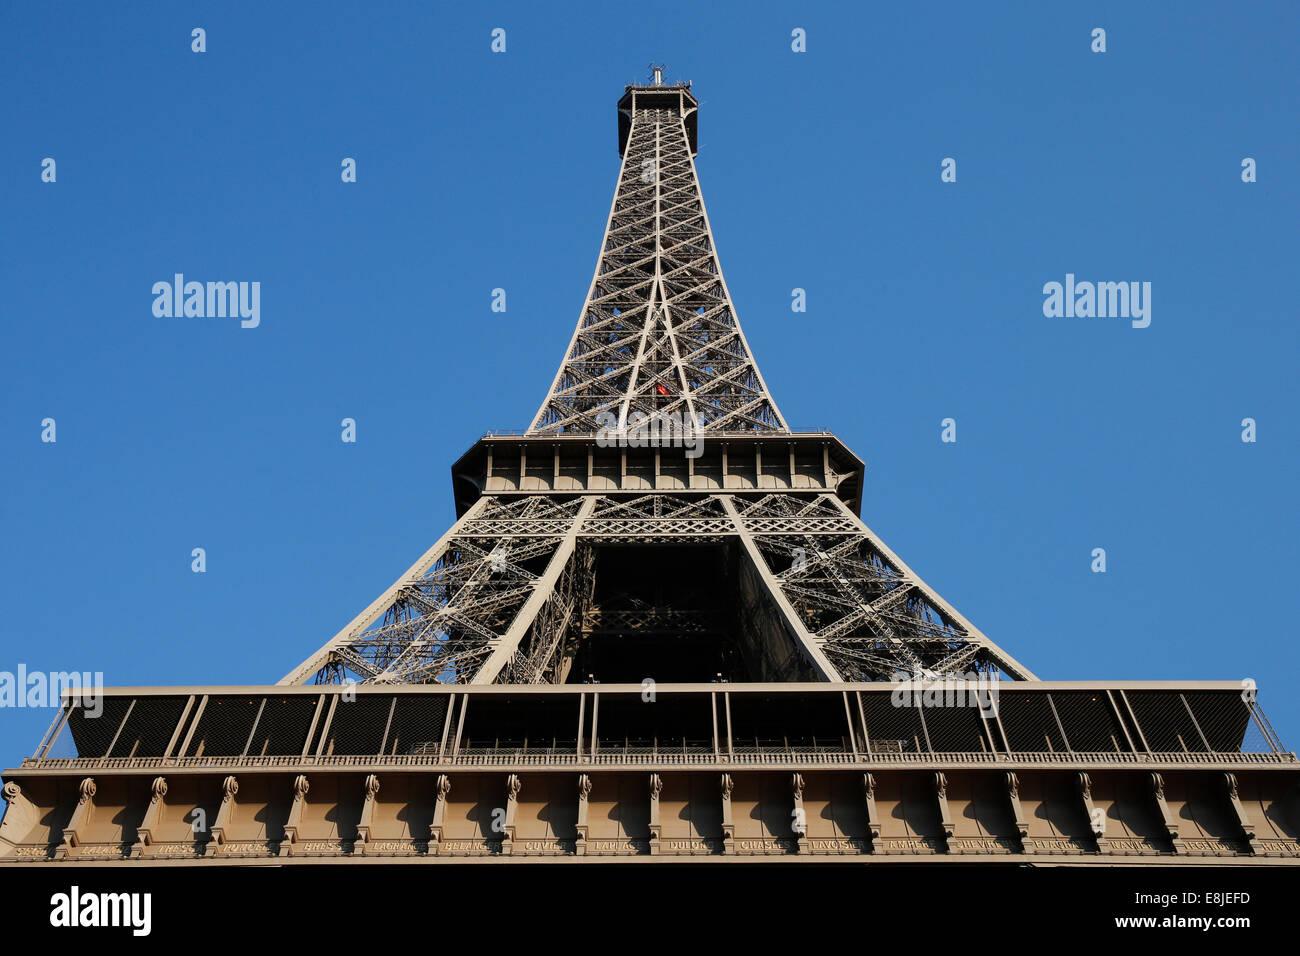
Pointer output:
x,y
641,757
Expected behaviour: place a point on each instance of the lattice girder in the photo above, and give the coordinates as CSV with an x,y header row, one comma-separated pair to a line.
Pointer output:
x,y
494,602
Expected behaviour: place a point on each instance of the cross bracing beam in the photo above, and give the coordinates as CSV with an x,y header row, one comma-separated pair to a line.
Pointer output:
x,y
493,601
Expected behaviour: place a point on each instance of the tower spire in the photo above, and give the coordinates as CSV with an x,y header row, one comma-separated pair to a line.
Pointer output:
x,y
658,321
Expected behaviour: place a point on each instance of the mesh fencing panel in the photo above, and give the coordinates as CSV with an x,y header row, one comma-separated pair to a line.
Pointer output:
x,y
892,729
1225,720
1089,721
417,725
224,727
93,732
1254,740
1029,723
149,728
282,729
358,726
1165,722
955,729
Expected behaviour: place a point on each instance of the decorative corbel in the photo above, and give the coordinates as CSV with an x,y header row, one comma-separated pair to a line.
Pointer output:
x,y
656,788
1171,825
873,818
370,787
941,792
1247,828
799,821
441,789
20,817
1096,816
152,813
1017,812
225,813
584,792
513,786
728,824
300,787
80,817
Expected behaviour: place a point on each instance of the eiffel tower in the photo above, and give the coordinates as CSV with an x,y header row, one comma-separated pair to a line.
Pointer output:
x,y
659,629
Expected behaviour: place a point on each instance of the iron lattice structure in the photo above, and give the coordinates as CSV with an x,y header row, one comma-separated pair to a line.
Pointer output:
x,y
508,595
658,333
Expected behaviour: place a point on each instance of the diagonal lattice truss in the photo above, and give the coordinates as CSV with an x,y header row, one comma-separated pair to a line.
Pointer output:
x,y
870,615
496,599
658,334
442,620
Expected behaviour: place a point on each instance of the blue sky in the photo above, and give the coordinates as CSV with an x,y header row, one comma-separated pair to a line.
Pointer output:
x,y
479,170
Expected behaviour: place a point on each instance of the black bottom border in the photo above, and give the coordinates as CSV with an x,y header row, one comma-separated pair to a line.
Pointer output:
x,y
669,902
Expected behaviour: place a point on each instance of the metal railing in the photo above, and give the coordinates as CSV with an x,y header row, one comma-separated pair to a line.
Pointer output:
x,y
643,756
